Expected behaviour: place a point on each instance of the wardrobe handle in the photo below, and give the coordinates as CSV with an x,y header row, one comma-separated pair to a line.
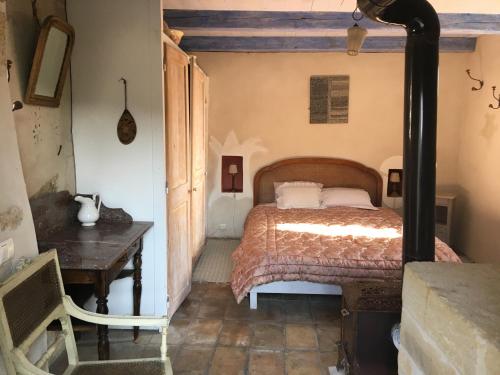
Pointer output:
x,y
195,189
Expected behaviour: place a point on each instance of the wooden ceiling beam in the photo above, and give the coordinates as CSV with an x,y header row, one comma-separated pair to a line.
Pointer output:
x,y
310,44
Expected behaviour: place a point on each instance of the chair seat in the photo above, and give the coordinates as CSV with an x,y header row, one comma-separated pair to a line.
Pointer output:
x,y
135,367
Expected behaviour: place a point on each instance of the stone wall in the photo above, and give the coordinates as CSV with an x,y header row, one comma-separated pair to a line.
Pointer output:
x,y
451,319
43,133
15,213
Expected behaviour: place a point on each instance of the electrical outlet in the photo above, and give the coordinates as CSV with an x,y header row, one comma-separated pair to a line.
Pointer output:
x,y
6,250
222,226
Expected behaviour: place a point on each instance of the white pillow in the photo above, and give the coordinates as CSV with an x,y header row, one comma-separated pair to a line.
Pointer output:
x,y
279,185
357,198
299,197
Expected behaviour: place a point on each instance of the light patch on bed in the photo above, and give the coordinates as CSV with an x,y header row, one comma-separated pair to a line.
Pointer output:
x,y
340,230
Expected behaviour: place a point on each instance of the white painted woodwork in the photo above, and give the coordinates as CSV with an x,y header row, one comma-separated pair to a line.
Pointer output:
x,y
177,143
199,139
293,287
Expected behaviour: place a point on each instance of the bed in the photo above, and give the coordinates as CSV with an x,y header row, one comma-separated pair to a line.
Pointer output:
x,y
315,251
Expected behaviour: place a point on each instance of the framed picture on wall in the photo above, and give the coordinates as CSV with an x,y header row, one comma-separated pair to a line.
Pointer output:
x,y
329,99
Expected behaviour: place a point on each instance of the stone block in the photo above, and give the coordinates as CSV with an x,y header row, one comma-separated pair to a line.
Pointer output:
x,y
451,317
406,366
422,349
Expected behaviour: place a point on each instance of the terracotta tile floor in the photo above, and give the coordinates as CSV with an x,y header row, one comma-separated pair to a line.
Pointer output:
x,y
210,334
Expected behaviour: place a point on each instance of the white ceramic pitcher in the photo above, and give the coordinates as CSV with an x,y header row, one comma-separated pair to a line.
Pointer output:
x,y
88,213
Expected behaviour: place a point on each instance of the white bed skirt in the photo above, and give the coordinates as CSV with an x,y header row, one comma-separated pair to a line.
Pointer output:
x,y
293,287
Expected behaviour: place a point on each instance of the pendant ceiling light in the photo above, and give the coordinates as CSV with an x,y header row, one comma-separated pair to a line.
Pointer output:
x,y
355,36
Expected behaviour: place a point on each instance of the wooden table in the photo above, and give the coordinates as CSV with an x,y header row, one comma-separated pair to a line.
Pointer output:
x,y
96,256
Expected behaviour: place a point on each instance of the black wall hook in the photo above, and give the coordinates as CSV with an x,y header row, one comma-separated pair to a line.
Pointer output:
x,y
9,66
496,98
16,106
481,82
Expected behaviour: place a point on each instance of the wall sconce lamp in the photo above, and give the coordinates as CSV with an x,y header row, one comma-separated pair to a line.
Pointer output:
x,y
395,183
9,67
355,36
233,171
232,174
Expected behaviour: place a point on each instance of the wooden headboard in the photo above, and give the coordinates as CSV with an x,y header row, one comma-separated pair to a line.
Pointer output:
x,y
331,172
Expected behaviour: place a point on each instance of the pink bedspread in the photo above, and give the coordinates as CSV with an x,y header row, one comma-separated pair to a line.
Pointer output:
x,y
334,245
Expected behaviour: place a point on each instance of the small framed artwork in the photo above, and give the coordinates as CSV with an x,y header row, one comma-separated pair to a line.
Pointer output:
x,y
329,99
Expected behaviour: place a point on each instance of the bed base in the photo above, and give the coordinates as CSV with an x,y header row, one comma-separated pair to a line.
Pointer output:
x,y
293,287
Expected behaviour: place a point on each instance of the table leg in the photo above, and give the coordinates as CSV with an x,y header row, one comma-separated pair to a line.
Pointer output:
x,y
102,291
137,286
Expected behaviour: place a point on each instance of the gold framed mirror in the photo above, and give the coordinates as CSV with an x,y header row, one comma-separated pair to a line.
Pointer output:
x,y
50,63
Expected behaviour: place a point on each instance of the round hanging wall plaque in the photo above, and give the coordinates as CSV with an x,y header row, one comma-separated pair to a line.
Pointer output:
x,y
127,128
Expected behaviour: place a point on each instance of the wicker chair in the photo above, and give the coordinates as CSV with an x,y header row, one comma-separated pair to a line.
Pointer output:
x,y
33,298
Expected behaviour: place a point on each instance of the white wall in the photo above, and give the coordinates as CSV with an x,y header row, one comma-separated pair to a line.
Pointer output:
x,y
117,39
478,159
259,109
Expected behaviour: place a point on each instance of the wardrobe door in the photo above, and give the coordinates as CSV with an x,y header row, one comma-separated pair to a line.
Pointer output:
x,y
178,165
198,157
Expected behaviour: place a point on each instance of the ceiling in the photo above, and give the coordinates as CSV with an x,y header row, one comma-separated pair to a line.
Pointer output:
x,y
441,6
315,25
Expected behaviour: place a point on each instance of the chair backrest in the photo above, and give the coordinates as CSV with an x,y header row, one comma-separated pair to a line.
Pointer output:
x,y
29,301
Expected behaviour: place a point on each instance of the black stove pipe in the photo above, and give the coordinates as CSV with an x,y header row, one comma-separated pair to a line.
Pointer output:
x,y
421,22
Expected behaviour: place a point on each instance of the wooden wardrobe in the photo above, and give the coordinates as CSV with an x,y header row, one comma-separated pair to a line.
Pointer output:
x,y
185,86
199,141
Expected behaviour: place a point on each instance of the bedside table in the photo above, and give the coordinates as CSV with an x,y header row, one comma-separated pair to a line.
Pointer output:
x,y
398,210
444,215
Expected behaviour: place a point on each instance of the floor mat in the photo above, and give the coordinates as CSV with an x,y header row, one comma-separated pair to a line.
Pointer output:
x,y
215,264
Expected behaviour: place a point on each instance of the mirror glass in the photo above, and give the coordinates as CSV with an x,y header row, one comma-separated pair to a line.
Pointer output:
x,y
52,62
